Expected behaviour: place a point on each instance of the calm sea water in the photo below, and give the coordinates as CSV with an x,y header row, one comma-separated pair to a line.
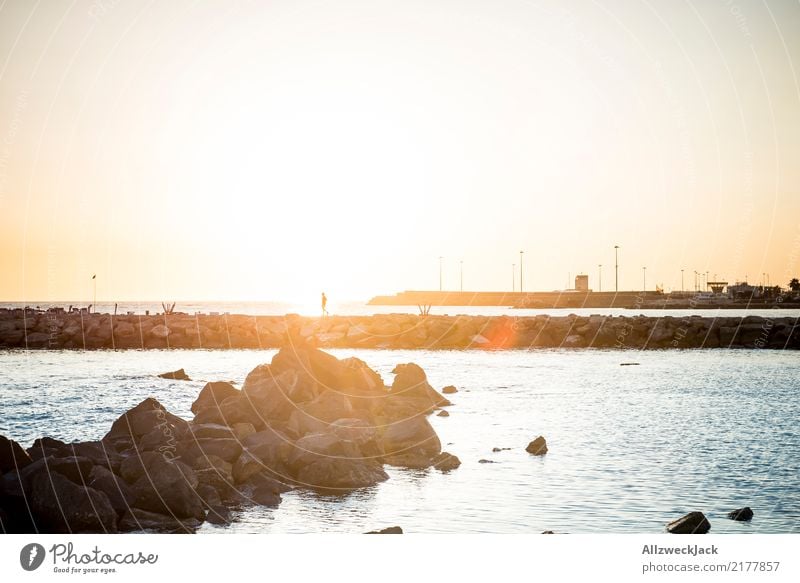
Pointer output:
x,y
630,447
360,308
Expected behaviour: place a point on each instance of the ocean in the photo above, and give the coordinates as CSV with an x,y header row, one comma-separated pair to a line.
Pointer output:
x,y
631,447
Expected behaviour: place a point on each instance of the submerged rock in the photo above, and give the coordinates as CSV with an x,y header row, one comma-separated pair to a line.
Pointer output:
x,y
449,390
692,523
387,530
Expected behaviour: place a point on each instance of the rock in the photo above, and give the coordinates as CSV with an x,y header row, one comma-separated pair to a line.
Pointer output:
x,y
12,456
167,487
219,514
209,430
497,449
119,493
60,505
75,469
485,461
537,447
229,449
446,462
443,413
547,532
265,496
208,495
137,519
143,419
692,523
134,466
412,435
741,514
176,375
243,430
213,394
412,383
45,446
340,475
387,530
449,390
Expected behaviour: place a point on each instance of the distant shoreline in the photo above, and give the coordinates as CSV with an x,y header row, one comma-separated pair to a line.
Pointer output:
x,y
81,330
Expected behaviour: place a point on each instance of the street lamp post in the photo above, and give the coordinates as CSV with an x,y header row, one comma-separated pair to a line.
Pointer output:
x,y
600,277
616,268
520,271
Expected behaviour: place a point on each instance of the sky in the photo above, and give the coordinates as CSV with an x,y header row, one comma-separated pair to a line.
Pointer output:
x,y
240,150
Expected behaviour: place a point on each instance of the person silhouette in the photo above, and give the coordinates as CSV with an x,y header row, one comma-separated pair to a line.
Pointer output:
x,y
324,305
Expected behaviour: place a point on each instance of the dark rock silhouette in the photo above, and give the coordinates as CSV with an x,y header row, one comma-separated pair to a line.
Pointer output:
x,y
741,514
387,530
692,523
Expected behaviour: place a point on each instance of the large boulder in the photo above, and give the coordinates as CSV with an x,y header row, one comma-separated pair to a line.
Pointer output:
x,y
167,487
412,382
411,442
60,505
213,394
144,418
12,456
692,523
115,488
274,396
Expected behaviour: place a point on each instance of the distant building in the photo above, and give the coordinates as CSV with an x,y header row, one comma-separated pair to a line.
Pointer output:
x,y
742,290
581,283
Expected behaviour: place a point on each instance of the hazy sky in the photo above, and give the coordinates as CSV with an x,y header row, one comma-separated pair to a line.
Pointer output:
x,y
270,150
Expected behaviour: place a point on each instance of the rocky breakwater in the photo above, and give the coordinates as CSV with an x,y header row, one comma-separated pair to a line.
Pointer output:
x,y
306,420
27,329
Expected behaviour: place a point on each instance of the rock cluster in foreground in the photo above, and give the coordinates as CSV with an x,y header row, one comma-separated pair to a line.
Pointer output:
x,y
306,420
28,329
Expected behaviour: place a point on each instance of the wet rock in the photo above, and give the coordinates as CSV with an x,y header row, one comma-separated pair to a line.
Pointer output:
x,y
547,532
497,449
485,461
537,447
176,375
443,413
741,514
449,390
60,505
208,495
387,530
335,475
45,446
12,456
213,394
219,514
446,462
265,496
692,523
